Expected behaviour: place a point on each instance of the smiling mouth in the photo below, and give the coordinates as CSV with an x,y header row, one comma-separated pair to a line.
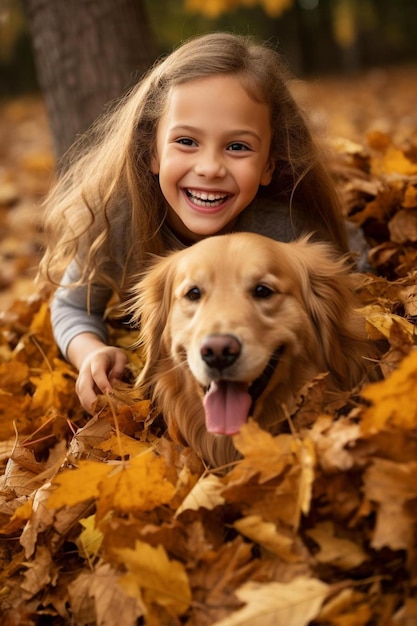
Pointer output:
x,y
204,199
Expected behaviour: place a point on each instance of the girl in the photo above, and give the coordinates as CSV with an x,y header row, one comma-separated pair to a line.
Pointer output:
x,y
210,141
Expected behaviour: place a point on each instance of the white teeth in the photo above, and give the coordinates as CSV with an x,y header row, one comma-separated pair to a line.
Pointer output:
x,y
201,198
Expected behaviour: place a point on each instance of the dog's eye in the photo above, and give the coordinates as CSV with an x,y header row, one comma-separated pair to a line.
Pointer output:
x,y
262,291
193,294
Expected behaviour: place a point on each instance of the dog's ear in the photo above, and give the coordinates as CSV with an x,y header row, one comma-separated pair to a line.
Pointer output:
x,y
330,301
149,308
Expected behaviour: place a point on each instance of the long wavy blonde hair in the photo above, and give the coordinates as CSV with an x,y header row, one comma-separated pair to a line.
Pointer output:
x,y
106,178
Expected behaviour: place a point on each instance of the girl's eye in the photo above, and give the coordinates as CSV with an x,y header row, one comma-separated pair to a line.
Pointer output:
x,y
262,291
193,294
186,141
238,147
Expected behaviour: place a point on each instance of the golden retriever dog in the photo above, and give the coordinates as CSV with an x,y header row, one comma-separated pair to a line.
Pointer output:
x,y
233,326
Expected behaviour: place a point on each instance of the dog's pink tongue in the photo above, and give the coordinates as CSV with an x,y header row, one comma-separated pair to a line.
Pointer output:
x,y
227,406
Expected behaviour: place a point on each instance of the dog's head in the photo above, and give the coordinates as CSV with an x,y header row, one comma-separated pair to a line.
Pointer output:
x,y
245,316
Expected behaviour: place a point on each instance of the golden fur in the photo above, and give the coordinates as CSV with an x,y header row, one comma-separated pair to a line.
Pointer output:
x,y
257,295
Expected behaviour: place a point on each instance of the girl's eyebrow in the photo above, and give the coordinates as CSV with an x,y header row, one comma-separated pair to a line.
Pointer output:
x,y
233,133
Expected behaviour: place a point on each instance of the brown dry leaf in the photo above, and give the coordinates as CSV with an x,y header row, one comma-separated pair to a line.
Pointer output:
x,y
275,604
20,516
408,296
332,440
215,577
394,400
337,551
98,598
380,322
267,456
348,608
403,226
410,197
392,486
407,614
156,578
41,571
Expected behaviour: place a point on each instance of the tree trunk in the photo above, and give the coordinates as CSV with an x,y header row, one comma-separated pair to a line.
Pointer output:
x,y
87,53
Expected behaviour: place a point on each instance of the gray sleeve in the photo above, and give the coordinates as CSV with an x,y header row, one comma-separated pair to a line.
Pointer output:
x,y
78,310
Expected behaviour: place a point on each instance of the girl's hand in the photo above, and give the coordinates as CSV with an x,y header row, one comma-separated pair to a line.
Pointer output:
x,y
99,367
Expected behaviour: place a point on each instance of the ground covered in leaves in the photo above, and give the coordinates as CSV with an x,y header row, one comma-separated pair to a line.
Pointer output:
x,y
103,521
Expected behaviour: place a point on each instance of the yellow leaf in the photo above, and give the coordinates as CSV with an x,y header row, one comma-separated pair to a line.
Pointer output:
x,y
394,400
206,494
267,535
124,446
278,604
393,161
77,485
153,574
380,322
139,485
41,323
53,388
90,540
410,197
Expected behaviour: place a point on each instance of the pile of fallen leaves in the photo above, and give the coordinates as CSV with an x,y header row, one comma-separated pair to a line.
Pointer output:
x,y
104,521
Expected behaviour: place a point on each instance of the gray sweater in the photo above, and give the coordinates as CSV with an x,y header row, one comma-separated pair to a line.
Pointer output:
x,y
69,314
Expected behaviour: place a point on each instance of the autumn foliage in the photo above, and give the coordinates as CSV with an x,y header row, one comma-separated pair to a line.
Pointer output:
x,y
104,521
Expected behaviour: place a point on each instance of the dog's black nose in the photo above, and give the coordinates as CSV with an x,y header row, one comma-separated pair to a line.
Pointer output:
x,y
220,351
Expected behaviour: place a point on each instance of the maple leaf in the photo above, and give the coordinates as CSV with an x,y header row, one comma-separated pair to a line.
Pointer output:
x,y
77,485
138,485
156,578
54,388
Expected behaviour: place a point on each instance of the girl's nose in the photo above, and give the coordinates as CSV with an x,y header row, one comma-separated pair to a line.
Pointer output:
x,y
210,165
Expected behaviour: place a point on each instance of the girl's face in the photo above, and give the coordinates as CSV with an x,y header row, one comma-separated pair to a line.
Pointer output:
x,y
212,153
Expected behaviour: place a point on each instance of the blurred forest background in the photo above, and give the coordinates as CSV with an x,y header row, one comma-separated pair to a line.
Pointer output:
x,y
316,36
